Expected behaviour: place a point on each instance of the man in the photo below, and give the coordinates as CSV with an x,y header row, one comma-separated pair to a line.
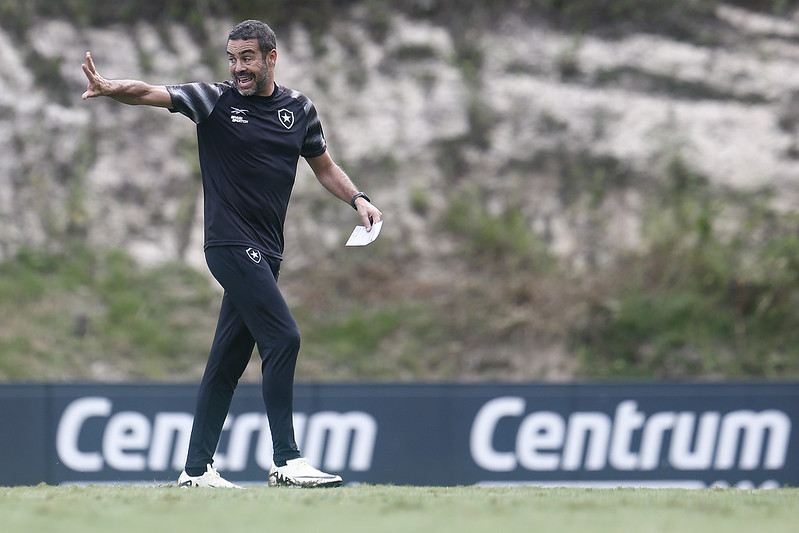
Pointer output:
x,y
251,133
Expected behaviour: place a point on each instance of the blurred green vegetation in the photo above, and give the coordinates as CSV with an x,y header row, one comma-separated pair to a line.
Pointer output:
x,y
678,17
501,240
713,294
716,294
84,314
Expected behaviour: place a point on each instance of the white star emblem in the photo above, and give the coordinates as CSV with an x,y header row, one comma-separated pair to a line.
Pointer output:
x,y
286,118
254,255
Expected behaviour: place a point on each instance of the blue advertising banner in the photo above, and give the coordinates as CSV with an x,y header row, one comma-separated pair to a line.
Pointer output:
x,y
647,435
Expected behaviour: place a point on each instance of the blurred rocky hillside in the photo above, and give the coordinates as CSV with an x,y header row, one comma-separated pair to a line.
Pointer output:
x,y
416,116
564,135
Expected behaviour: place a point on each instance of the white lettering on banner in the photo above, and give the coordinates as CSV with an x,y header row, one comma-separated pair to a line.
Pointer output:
x,y
482,436
593,429
680,454
171,432
753,426
628,421
126,436
131,442
246,426
547,441
328,435
75,415
538,434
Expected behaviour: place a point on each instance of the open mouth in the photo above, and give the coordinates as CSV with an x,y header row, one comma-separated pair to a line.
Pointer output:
x,y
245,81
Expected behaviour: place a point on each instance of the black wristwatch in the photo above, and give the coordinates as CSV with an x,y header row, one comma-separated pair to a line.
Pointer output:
x,y
359,195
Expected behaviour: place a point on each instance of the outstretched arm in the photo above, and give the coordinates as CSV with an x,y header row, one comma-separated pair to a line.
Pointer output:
x,y
337,182
131,92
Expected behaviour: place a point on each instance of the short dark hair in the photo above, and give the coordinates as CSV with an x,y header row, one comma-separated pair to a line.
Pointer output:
x,y
255,29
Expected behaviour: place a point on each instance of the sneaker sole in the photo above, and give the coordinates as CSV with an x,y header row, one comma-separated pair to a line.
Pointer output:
x,y
277,480
192,485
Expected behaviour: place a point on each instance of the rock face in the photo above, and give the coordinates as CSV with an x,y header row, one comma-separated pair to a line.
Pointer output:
x,y
413,118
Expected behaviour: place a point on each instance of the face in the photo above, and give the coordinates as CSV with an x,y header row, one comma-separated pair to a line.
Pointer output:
x,y
251,71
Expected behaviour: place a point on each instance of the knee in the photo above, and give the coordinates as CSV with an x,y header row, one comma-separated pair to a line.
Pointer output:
x,y
286,343
292,339
225,376
281,353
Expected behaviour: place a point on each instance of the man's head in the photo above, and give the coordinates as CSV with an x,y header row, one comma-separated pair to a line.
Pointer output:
x,y
255,29
252,54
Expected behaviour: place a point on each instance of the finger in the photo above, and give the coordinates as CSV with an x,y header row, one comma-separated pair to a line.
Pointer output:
x,y
90,63
89,89
90,93
371,218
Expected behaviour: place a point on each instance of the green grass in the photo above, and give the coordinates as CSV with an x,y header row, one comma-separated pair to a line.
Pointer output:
x,y
390,508
66,313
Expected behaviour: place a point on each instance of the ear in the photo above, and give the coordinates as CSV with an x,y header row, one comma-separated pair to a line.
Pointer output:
x,y
271,58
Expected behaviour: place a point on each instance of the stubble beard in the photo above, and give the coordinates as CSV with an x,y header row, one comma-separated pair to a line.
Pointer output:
x,y
259,84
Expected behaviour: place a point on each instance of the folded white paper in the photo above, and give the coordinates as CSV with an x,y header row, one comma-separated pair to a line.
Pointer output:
x,y
361,237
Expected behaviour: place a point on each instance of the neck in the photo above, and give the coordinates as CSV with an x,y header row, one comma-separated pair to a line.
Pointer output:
x,y
269,89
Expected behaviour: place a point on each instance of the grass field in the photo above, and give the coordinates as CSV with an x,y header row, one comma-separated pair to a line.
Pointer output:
x,y
378,509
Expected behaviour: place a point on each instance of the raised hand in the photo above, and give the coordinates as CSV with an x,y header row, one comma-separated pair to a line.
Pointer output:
x,y
98,86
133,92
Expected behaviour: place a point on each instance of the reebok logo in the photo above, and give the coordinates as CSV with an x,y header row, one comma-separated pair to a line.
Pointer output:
x,y
237,115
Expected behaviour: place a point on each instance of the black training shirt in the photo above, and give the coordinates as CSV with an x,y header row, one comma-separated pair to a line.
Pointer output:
x,y
249,147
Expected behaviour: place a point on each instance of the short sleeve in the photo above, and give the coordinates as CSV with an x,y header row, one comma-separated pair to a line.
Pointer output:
x,y
196,100
314,144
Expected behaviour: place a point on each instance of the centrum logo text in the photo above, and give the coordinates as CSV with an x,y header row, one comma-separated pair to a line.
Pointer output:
x,y
630,440
132,441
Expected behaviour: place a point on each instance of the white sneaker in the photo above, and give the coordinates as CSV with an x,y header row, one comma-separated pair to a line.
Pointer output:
x,y
299,473
210,478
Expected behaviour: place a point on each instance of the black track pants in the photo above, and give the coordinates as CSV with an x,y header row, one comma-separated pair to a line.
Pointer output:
x,y
253,312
